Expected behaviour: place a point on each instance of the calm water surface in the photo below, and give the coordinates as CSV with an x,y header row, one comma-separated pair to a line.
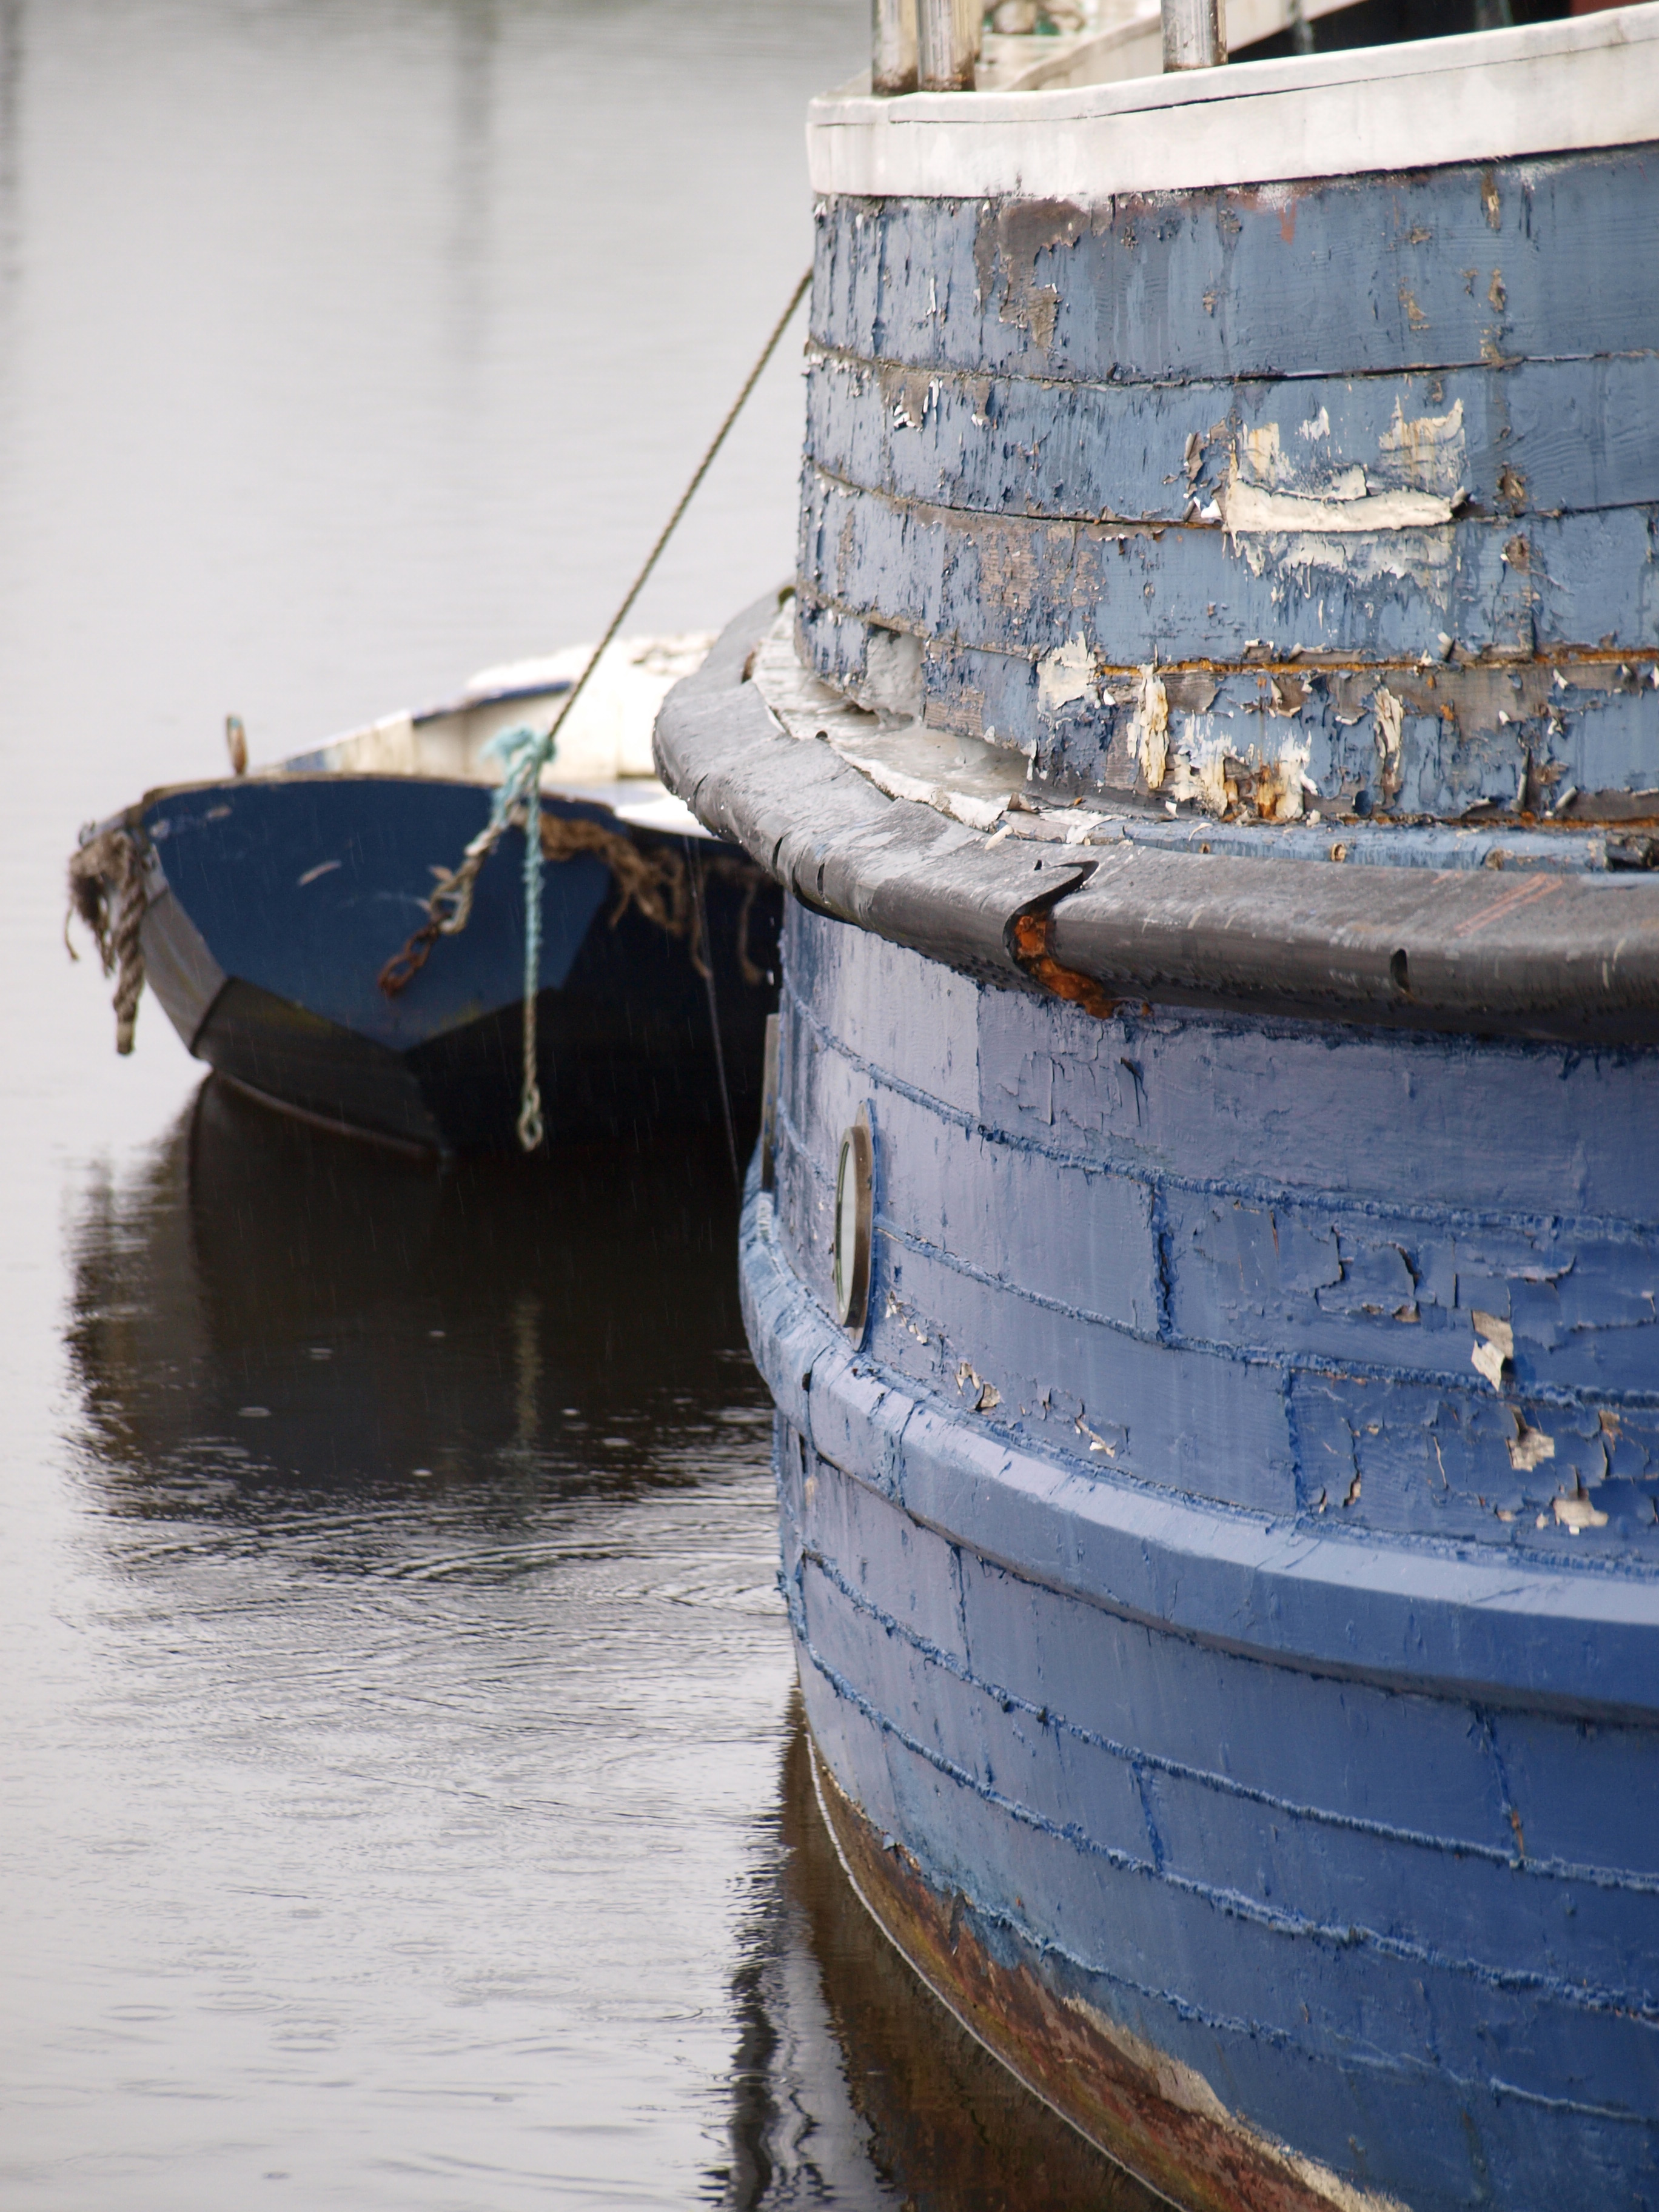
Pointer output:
x,y
402,1801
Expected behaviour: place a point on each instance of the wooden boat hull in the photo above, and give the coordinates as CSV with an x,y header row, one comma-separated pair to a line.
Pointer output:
x,y
275,902
1219,1032
1240,1711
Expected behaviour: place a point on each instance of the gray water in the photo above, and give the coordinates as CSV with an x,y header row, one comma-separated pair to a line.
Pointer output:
x,y
403,1802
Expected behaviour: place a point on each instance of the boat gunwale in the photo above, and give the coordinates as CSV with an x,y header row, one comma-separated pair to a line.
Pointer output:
x,y
1545,956
628,791
1497,95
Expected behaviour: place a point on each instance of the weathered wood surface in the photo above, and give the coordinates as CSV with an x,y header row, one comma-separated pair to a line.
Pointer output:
x,y
1225,1563
1541,954
1287,445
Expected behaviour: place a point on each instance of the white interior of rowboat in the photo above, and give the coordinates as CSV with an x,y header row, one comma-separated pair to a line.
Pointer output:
x,y
604,741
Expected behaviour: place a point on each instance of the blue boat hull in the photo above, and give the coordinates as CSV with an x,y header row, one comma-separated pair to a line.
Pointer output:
x,y
1217,773
274,905
1240,1709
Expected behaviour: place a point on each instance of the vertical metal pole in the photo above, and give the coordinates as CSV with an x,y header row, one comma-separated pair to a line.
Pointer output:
x,y
944,45
892,45
1194,33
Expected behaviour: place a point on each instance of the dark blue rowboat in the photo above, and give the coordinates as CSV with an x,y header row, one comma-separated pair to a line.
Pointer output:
x,y
267,907
1207,1256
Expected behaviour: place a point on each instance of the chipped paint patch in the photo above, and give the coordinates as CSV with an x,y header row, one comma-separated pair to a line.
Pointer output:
x,y
1430,452
1390,715
1347,507
1425,557
1065,675
984,1395
1422,460
1203,752
1578,1513
1286,512
891,683
1280,784
1151,729
1497,1346
1530,1447
1202,766
1177,2083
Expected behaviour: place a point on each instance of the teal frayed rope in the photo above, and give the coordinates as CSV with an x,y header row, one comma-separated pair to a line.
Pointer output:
x,y
525,753
450,904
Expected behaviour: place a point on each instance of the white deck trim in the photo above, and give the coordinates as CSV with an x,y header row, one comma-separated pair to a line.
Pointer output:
x,y
1585,81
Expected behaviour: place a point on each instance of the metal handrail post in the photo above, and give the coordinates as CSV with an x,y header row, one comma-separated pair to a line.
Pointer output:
x,y
944,45
1194,33
892,46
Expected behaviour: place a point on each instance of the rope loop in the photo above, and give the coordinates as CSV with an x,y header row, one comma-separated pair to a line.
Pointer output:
x,y
106,891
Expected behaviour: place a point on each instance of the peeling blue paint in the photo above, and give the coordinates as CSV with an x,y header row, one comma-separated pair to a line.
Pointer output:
x,y
1228,1559
1036,429
1379,1865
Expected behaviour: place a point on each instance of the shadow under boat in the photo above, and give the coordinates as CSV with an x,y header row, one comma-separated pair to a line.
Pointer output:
x,y
273,901
270,1308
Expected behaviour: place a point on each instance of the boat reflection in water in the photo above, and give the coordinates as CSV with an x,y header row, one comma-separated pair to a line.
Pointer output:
x,y
423,1668
274,1302
853,2088
444,1658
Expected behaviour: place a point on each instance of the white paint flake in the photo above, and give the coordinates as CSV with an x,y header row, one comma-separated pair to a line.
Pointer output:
x,y
1578,1513
1151,729
1529,1448
1065,675
1346,507
1488,1357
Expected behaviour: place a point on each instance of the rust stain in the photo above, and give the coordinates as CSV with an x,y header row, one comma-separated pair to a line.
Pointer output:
x,y
1110,2085
1032,936
1527,894
901,2071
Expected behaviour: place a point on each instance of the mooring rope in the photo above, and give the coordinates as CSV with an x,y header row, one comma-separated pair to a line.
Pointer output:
x,y
107,890
714,1020
525,754
449,905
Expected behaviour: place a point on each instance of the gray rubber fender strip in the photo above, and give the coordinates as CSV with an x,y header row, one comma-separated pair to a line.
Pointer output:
x,y
1482,951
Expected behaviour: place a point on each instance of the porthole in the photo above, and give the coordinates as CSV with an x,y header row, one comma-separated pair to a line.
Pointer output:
x,y
854,1206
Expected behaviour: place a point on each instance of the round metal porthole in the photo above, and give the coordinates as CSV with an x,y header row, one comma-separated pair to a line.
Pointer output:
x,y
854,1206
